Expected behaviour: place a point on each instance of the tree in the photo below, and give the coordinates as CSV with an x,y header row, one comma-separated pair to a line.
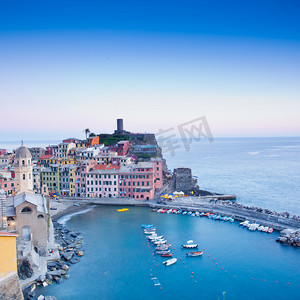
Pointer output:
x,y
87,131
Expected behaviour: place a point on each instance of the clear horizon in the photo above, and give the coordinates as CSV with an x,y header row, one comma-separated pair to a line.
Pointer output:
x,y
75,65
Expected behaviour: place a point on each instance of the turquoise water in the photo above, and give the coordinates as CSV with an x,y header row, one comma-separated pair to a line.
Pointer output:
x,y
118,262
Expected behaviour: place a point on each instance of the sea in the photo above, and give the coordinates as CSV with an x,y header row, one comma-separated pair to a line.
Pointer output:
x,y
119,263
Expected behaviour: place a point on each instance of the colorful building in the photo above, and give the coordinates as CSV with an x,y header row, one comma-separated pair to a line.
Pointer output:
x,y
137,181
121,148
50,178
92,141
64,148
102,182
46,160
8,254
80,177
36,152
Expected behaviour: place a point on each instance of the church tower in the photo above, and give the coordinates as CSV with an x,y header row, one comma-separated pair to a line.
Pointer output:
x,y
23,170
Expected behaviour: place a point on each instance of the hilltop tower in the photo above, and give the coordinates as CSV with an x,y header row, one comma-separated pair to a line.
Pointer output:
x,y
23,170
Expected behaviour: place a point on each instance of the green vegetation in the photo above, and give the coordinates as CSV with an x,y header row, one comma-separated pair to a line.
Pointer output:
x,y
111,139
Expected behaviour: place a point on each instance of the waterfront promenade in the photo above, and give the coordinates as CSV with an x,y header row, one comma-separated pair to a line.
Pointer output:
x,y
185,203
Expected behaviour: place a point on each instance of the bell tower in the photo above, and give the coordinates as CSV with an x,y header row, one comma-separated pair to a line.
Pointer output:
x,y
23,170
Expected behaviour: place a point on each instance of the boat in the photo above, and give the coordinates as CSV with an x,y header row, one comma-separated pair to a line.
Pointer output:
x,y
160,242
206,215
174,211
189,245
253,227
193,214
162,248
122,209
266,229
170,261
148,226
154,209
193,254
202,214
169,211
162,252
270,230
166,255
189,213
155,281
197,213
179,211
231,220
184,212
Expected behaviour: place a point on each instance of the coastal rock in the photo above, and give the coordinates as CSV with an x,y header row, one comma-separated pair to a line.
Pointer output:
x,y
67,255
74,260
41,278
54,273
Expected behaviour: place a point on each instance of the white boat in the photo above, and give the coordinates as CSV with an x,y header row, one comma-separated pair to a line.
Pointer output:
x,y
160,242
245,223
253,227
169,211
159,210
170,261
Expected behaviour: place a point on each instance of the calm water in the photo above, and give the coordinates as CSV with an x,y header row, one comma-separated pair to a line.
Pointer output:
x,y
118,262
263,172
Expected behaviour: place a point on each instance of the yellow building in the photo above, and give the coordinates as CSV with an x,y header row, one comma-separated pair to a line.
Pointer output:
x,y
8,254
66,161
50,178
72,180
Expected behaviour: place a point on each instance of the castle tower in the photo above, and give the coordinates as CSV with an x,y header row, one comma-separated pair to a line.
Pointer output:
x,y
23,170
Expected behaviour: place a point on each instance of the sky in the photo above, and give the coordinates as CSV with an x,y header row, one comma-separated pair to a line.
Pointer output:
x,y
70,65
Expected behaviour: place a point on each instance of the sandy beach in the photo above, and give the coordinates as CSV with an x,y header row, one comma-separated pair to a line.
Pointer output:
x,y
60,208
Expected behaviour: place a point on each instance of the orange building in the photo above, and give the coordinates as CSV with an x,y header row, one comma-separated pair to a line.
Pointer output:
x,y
92,141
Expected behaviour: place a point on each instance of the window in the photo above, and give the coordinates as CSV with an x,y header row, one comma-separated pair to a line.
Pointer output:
x,y
40,216
23,176
147,182
26,210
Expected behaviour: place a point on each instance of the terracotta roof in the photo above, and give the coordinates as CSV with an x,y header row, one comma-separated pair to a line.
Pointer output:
x,y
4,233
106,167
45,156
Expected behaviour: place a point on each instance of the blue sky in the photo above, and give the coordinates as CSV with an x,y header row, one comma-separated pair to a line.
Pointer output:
x,y
68,65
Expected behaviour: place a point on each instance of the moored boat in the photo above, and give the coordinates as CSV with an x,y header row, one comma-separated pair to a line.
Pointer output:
x,y
170,261
166,255
193,254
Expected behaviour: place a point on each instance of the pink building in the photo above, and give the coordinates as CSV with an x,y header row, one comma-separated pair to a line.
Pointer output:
x,y
8,185
70,140
121,148
52,150
2,151
137,181
80,177
158,170
102,183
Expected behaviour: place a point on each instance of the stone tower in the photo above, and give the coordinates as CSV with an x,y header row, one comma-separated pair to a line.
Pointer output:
x,y
23,170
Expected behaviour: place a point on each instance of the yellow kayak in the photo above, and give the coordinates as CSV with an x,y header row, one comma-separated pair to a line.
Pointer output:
x,y
122,209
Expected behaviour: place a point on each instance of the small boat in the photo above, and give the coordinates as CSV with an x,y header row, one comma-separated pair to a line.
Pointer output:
x,y
231,220
148,226
189,213
169,211
174,211
159,210
122,209
266,229
155,281
197,213
154,209
179,211
166,255
162,252
193,254
270,230
189,245
193,214
162,248
202,214
155,237
184,212
170,261
206,215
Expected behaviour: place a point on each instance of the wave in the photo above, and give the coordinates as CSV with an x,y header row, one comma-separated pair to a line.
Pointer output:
x,y
63,220
253,153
